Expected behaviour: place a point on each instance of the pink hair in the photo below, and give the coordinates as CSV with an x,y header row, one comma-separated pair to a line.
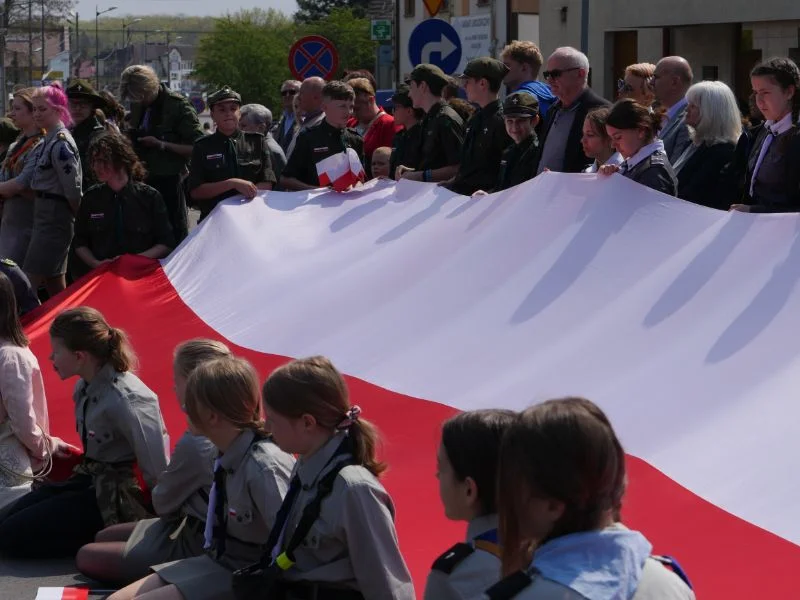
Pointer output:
x,y
57,100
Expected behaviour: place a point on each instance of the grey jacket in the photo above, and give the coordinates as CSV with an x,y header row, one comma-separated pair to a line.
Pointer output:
x,y
676,136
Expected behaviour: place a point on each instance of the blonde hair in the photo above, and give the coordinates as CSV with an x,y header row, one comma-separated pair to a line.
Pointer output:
x,y
361,85
314,386
138,82
192,353
524,52
227,386
643,70
720,118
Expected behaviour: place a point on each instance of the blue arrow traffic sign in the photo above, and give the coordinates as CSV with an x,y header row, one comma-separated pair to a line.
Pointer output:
x,y
435,41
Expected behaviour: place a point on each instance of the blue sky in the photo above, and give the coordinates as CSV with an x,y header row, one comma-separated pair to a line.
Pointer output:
x,y
86,8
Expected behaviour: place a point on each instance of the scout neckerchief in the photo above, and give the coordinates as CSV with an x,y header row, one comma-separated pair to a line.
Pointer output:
x,y
20,150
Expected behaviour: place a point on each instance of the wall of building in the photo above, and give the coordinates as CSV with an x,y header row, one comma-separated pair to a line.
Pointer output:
x,y
709,46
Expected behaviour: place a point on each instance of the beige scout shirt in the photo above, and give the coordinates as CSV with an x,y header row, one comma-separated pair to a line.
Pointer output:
x,y
183,488
469,578
353,542
119,420
257,475
23,404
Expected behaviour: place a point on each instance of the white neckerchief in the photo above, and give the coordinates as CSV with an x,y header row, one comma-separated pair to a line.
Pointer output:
x,y
775,129
614,159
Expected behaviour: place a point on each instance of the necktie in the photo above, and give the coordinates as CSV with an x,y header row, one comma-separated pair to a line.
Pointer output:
x,y
282,518
761,154
233,160
215,516
623,167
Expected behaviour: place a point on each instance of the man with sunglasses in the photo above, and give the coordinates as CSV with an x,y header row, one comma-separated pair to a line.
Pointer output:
x,y
671,81
286,126
567,73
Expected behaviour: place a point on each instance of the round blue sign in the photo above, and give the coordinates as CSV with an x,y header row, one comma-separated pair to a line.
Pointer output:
x,y
435,41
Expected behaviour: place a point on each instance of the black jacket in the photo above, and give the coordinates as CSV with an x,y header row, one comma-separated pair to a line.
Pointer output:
x,y
655,172
700,178
575,160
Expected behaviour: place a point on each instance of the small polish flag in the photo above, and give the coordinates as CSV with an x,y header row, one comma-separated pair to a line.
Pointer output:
x,y
340,171
62,593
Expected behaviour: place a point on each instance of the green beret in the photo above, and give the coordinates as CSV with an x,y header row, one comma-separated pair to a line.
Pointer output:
x,y
521,104
487,68
430,74
222,95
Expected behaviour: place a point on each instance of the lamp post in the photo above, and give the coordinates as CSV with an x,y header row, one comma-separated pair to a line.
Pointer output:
x,y
97,13
44,43
76,22
125,27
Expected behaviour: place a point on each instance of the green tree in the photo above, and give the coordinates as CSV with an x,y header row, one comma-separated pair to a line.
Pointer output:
x,y
314,10
247,51
350,34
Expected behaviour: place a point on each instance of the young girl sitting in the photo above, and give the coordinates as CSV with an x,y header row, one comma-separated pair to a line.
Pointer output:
x,y
561,484
251,477
467,472
124,553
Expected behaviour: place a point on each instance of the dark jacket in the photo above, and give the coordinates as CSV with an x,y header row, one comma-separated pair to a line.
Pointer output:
x,y
777,188
83,134
700,178
575,160
655,172
315,145
518,163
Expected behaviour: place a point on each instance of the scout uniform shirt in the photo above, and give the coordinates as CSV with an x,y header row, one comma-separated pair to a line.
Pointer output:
x,y
442,137
407,149
518,163
23,292
256,475
57,174
170,118
465,570
83,134
353,542
120,424
484,143
650,167
316,144
130,221
218,157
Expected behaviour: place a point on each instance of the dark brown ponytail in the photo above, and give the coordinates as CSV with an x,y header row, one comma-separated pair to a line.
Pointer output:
x,y
85,329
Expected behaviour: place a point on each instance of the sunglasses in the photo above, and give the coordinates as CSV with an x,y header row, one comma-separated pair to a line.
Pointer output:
x,y
288,92
556,73
624,87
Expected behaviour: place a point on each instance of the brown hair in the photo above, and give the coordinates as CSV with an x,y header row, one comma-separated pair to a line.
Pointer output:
x,y
564,450
464,109
10,327
628,114
191,353
26,95
338,90
524,52
85,329
471,441
361,74
228,386
115,149
598,118
113,109
361,85
643,70
315,387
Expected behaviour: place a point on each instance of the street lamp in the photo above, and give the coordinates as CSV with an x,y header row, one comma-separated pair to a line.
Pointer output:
x,y
125,27
97,13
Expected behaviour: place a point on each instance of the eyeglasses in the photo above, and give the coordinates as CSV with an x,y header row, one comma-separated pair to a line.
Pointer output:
x,y
288,92
623,87
556,73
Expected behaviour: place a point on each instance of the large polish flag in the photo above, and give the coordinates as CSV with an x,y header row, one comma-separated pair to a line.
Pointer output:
x,y
680,321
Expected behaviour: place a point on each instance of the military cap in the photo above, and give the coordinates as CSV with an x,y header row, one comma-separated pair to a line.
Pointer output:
x,y
485,67
80,88
8,131
430,74
401,96
521,104
223,94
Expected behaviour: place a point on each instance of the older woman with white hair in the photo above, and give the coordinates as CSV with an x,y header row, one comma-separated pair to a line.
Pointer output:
x,y
715,125
258,118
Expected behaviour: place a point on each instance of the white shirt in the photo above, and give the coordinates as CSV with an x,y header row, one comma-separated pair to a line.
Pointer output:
x,y
614,159
642,154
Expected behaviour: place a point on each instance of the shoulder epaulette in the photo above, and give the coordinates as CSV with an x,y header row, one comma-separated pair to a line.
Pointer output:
x,y
509,587
61,135
8,262
658,158
452,558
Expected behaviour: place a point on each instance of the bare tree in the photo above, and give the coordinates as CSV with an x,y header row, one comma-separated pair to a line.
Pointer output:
x,y
33,16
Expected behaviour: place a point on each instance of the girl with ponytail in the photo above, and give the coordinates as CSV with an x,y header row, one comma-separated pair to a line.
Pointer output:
x,y
124,553
251,478
123,438
351,547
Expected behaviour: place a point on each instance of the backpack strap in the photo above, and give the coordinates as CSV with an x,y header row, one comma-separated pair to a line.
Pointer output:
x,y
509,587
672,564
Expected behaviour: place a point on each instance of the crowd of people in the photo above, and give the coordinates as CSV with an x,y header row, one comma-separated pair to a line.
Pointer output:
x,y
274,490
